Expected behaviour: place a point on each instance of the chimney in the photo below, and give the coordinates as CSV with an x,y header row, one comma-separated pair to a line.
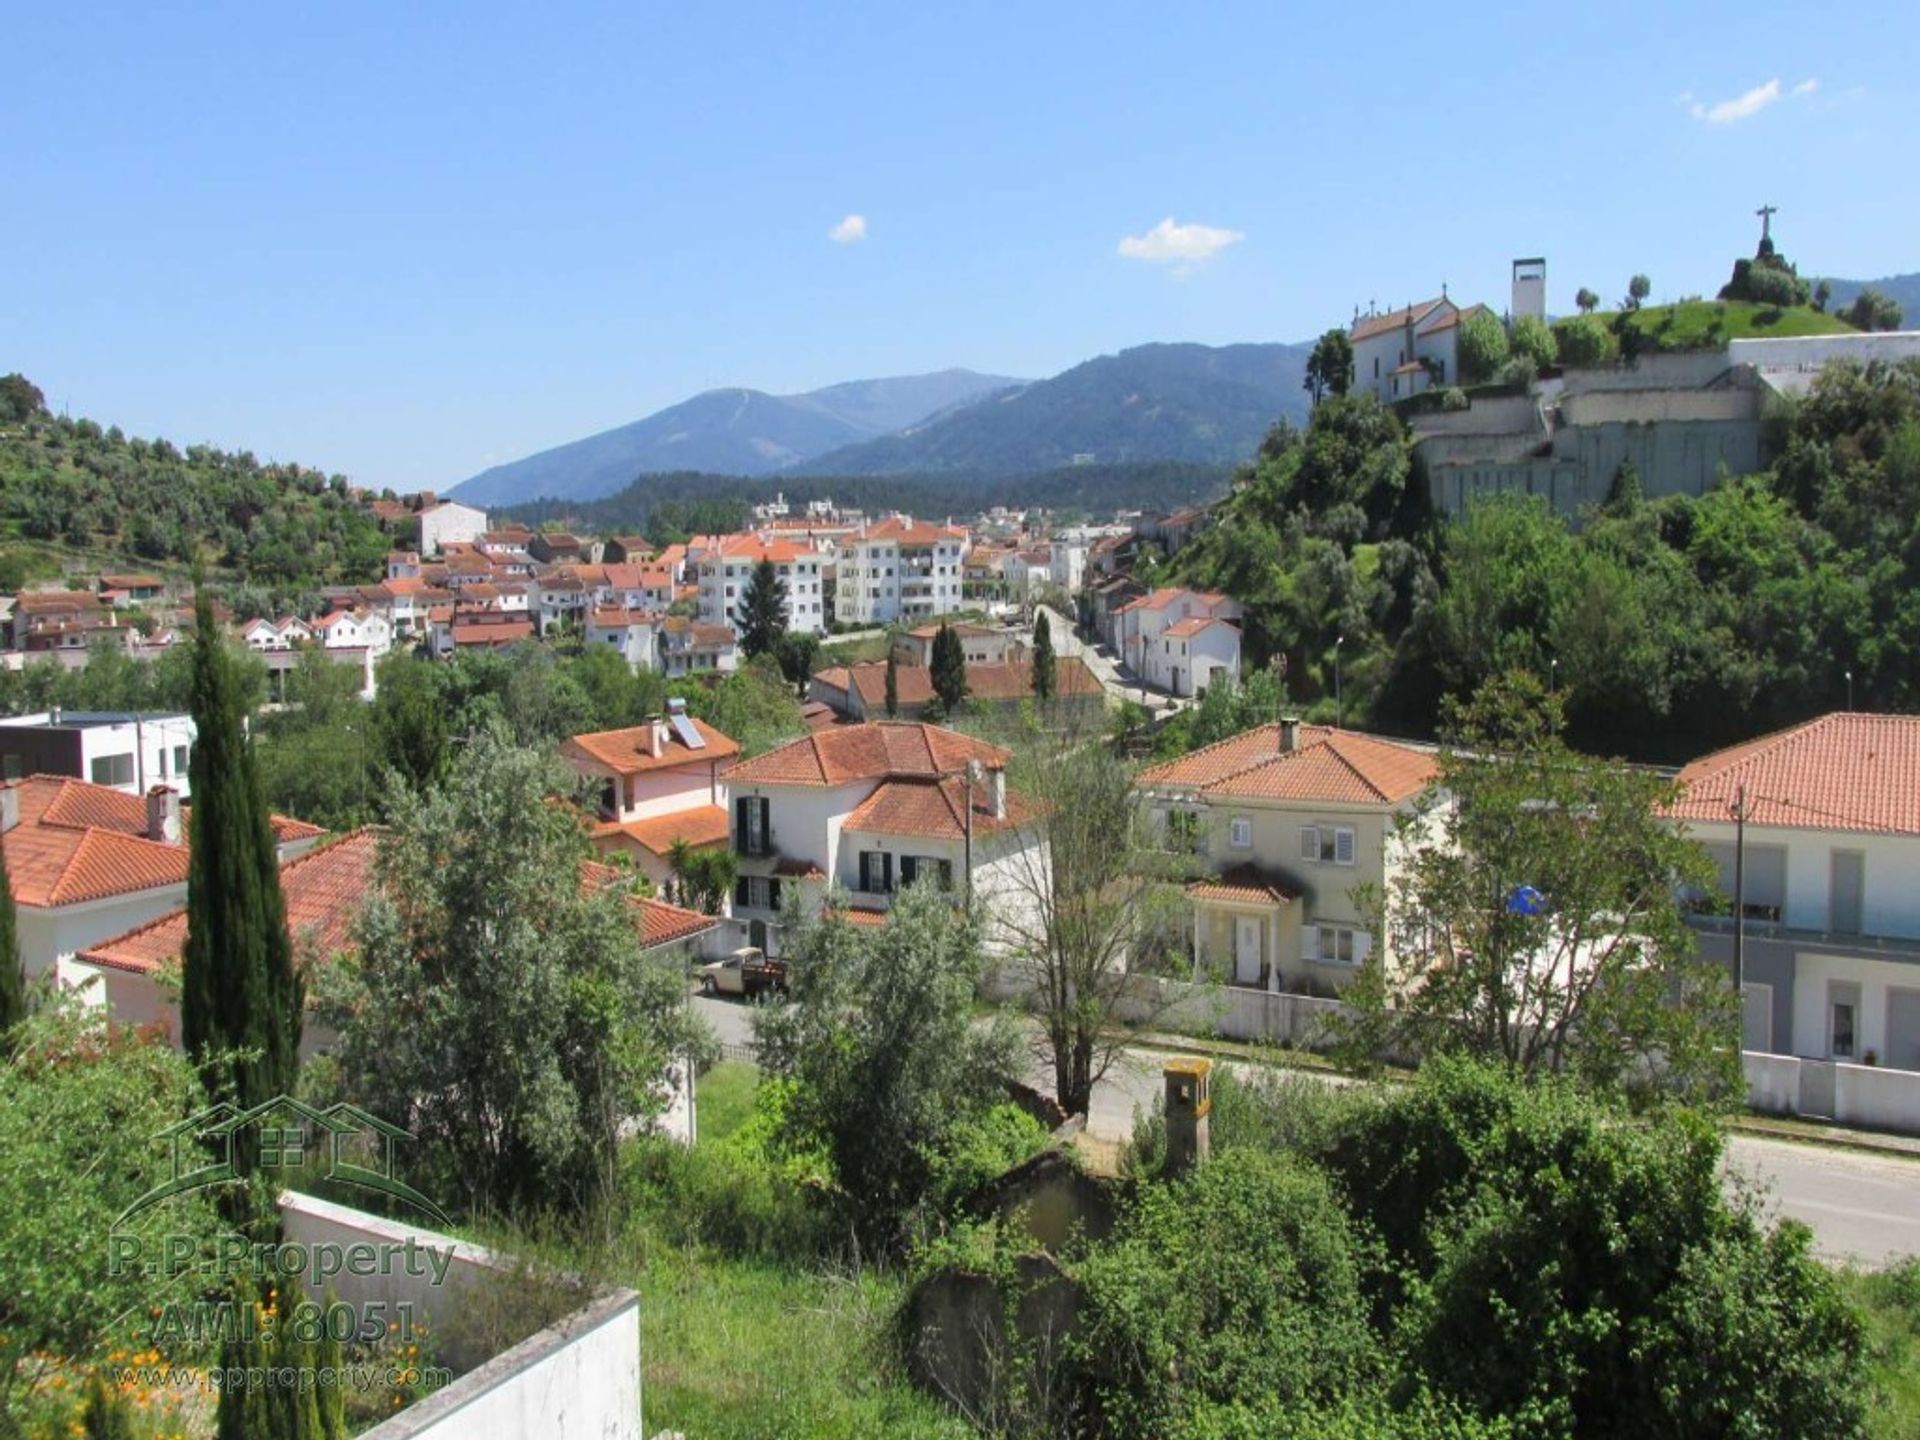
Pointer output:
x,y
1188,1104
997,791
163,814
9,808
1289,734
653,735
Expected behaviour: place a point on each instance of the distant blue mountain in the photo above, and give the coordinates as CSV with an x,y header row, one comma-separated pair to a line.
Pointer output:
x,y
729,432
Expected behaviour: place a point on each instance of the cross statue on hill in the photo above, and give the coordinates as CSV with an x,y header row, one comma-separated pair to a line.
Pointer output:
x,y
1766,214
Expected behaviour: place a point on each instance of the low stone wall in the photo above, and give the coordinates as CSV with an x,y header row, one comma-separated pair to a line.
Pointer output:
x,y
1872,1097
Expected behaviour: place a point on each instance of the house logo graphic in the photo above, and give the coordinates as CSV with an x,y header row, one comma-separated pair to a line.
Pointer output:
x,y
291,1136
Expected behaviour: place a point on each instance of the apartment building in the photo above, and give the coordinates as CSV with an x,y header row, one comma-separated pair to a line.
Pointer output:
x,y
900,569
725,569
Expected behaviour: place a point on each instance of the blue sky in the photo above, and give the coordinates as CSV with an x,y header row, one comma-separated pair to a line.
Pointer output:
x,y
409,241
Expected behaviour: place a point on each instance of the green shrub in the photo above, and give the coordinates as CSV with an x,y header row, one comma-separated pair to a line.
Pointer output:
x,y
980,1148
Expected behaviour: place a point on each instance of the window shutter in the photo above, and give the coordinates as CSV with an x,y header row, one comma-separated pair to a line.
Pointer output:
x,y
866,870
946,874
742,891
1310,942
740,823
766,825
1343,847
886,871
1309,842
909,870
773,894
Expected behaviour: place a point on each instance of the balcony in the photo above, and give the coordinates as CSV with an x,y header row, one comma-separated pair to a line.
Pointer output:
x,y
1762,929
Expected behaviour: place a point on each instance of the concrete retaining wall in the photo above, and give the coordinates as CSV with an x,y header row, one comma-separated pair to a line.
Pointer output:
x,y
576,1379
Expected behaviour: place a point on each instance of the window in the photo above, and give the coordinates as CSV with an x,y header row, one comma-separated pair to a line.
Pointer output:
x,y
12,767
915,868
1242,833
876,872
1184,833
1843,1029
756,892
1327,844
753,825
1337,945
111,770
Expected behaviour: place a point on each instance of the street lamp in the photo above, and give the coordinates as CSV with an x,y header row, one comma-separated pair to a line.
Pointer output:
x,y
1553,673
1339,710
1849,689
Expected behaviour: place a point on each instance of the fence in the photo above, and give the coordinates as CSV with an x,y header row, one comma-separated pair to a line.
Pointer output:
x,y
1869,1096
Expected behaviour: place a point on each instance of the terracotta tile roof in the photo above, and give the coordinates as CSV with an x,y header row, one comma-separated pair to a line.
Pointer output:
x,y
758,547
854,915
497,634
1242,885
1369,326
872,751
932,810
913,684
625,752
1845,771
837,676
905,530
701,825
1340,767
659,922
324,889
617,615
1192,625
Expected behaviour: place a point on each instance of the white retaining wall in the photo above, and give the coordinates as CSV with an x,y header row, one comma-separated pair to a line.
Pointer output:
x,y
578,1379
1872,1097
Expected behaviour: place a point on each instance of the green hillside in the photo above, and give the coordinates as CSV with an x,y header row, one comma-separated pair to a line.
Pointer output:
x,y
1709,324
69,488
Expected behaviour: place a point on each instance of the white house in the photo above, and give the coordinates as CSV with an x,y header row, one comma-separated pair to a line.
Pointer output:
x,y
869,809
725,570
1297,823
1194,655
900,569
282,634
1139,633
1402,352
450,522
88,861
367,630
660,781
632,634
1831,884
118,749
691,647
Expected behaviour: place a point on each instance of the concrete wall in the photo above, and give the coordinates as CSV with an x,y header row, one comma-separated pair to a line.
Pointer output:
x,y
1808,353
1870,1097
48,935
577,1379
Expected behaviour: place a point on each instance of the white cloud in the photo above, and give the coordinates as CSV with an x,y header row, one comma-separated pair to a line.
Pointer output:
x,y
1742,107
1170,243
850,231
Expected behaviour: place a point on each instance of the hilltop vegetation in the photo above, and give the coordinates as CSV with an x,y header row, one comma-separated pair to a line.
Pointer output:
x,y
1710,324
1670,626
71,483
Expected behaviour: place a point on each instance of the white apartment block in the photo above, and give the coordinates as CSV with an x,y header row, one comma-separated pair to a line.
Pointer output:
x,y
900,569
448,523
725,570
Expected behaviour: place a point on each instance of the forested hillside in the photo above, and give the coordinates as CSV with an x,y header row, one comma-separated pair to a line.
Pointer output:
x,y
664,506
96,492
1672,626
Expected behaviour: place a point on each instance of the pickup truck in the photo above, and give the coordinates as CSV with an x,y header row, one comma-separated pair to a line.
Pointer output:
x,y
745,972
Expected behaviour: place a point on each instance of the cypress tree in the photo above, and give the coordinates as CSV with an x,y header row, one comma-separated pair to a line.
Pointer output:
x,y
1042,659
762,616
893,684
949,669
13,981
239,992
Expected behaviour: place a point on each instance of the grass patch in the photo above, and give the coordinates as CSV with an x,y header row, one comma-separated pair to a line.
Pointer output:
x,y
853,652
1709,324
1891,1301
726,1098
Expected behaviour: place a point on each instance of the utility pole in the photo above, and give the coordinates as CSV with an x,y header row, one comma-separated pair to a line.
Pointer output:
x,y
1740,906
1339,709
973,767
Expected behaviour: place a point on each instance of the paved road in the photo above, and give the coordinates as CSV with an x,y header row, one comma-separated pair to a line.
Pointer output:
x,y
1859,1207
1119,682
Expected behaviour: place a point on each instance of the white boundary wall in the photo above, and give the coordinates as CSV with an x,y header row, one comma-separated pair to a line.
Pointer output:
x,y
1872,1097
578,1379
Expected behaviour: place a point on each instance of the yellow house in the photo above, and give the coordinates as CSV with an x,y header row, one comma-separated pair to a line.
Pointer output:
x,y
1296,825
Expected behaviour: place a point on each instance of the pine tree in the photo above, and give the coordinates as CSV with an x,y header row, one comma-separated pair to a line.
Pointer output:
x,y
239,992
762,616
1042,659
13,981
893,684
949,670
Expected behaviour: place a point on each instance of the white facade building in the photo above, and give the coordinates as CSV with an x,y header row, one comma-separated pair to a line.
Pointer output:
x,y
900,569
123,751
449,522
633,634
1405,351
726,569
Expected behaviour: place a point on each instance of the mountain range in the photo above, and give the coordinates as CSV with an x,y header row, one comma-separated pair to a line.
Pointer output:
x,y
730,432
1195,403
